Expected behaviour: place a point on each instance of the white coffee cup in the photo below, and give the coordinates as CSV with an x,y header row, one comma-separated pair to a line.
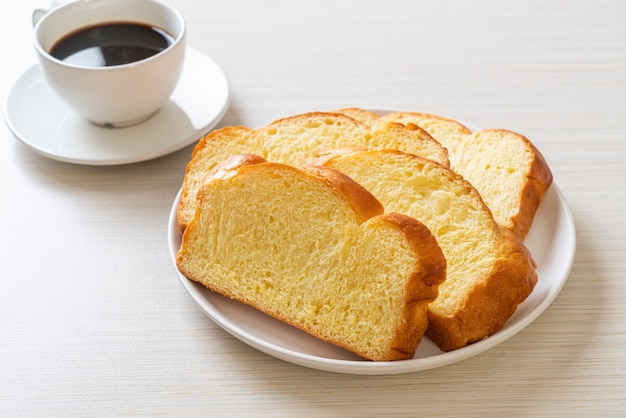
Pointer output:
x,y
116,95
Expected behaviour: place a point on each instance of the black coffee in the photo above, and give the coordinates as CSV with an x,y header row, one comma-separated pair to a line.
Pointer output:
x,y
111,44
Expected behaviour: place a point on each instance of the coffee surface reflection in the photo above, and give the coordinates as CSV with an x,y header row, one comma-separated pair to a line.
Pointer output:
x,y
111,44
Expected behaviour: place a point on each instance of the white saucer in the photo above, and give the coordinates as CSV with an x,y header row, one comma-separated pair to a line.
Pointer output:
x,y
38,118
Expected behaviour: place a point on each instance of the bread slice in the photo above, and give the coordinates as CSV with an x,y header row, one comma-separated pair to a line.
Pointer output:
x,y
505,167
314,249
489,271
294,141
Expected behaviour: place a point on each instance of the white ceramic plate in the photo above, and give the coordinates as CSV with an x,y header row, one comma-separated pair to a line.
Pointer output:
x,y
551,240
42,121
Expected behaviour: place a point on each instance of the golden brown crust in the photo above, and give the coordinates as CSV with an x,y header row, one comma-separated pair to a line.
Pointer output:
x,y
422,289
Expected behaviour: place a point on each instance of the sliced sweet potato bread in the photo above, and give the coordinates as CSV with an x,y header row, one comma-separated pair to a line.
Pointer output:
x,y
490,272
314,249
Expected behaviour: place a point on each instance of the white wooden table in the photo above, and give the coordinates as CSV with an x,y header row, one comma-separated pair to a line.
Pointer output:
x,y
93,321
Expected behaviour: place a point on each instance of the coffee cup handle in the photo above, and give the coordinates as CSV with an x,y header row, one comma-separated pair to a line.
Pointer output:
x,y
44,9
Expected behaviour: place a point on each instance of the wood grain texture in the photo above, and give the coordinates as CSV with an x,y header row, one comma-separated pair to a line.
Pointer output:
x,y
94,323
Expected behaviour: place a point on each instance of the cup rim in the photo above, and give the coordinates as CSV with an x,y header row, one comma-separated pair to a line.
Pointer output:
x,y
46,54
